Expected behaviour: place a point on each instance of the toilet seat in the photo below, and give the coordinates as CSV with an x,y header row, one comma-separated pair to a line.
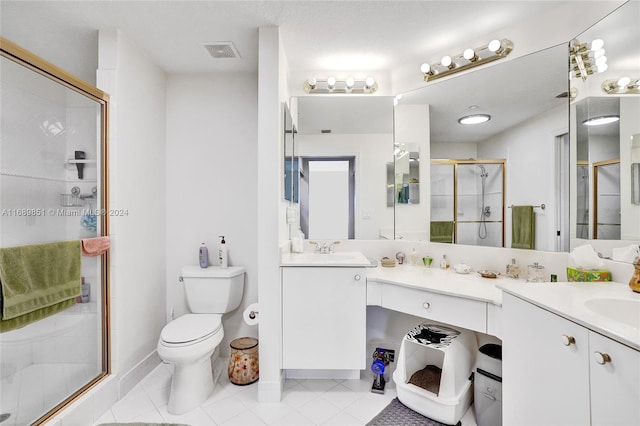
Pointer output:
x,y
190,329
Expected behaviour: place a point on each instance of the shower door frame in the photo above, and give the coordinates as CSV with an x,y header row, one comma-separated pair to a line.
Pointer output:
x,y
46,69
455,164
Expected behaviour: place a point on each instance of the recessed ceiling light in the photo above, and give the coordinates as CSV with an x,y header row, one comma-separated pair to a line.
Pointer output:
x,y
474,119
599,121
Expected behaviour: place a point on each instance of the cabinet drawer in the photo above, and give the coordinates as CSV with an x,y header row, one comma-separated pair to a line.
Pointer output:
x,y
456,311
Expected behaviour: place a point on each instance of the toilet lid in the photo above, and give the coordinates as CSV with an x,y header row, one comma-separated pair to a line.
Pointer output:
x,y
191,327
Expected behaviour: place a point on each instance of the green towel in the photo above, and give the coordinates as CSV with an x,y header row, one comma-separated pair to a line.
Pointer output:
x,y
37,281
523,229
442,232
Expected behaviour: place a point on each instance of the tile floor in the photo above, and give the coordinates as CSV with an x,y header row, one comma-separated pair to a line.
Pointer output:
x,y
304,402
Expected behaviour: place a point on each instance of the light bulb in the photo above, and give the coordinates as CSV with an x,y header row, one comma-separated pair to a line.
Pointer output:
x,y
425,68
312,82
369,82
331,82
601,60
598,53
446,61
602,67
469,55
623,81
597,44
349,82
494,45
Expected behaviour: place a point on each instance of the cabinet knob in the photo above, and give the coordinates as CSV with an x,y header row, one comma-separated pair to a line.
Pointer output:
x,y
426,305
568,340
357,277
601,358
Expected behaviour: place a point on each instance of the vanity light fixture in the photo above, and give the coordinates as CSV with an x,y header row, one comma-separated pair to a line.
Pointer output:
x,y
474,119
599,121
347,85
622,86
496,49
586,60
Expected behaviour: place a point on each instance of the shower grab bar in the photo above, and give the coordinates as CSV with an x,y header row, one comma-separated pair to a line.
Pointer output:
x,y
541,206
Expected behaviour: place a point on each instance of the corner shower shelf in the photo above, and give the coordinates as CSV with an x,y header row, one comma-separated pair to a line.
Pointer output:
x,y
74,161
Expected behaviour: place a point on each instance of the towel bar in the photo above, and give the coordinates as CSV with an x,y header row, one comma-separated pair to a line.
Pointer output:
x,y
541,206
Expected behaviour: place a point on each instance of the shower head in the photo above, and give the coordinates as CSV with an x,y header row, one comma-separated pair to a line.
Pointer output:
x,y
483,171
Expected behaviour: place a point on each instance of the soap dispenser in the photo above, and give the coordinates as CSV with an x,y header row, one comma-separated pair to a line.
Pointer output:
x,y
444,262
415,258
223,254
513,269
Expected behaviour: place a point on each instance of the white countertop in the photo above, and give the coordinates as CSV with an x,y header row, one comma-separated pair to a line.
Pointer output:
x,y
337,259
568,301
444,281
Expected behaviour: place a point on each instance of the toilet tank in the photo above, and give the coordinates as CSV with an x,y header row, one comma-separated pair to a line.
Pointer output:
x,y
213,290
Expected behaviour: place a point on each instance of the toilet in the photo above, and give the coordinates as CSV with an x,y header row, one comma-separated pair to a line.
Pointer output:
x,y
189,341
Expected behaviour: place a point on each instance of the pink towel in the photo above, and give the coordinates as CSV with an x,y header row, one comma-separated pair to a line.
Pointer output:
x,y
95,246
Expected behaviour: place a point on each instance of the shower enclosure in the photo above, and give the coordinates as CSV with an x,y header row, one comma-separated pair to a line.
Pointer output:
x,y
467,196
53,188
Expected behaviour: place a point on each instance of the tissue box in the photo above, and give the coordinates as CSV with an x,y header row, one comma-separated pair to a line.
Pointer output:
x,y
584,275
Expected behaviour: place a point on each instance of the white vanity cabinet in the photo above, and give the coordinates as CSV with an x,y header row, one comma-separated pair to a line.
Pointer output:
x,y
324,318
551,373
614,370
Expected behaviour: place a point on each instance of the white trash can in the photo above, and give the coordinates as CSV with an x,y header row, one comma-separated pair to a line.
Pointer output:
x,y
488,385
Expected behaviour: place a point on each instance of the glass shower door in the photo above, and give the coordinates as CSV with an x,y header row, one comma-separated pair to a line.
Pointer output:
x,y
53,188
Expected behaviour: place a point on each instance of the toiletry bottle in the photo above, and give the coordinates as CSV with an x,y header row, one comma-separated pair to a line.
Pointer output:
x,y
513,269
415,258
204,256
444,263
86,292
222,254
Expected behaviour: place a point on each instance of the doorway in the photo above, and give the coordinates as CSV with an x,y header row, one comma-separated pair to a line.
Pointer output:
x,y
327,197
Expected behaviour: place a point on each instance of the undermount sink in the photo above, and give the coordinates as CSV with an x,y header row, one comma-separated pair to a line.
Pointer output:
x,y
326,259
626,311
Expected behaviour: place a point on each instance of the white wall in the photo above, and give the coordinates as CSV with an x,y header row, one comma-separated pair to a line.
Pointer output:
x,y
137,178
527,147
411,126
211,182
629,125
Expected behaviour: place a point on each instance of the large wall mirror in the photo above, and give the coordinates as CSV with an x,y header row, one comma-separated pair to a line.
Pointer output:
x,y
604,211
342,145
479,173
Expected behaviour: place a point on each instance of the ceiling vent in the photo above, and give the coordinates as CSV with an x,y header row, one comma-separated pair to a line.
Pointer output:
x,y
222,50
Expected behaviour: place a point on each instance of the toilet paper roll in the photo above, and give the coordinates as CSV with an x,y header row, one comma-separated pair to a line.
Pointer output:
x,y
250,314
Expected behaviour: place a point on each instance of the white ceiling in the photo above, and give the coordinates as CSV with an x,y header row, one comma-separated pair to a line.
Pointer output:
x,y
386,39
355,37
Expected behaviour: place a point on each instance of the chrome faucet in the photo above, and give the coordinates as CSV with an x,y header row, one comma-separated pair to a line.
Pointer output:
x,y
324,248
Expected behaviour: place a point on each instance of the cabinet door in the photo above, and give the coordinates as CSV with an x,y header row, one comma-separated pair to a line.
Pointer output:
x,y
615,382
324,318
545,368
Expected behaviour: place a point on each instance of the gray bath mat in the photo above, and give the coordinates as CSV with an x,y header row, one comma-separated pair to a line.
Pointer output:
x,y
398,414
142,424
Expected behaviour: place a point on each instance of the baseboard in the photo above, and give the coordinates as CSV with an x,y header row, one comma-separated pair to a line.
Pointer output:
x,y
323,374
271,391
137,373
